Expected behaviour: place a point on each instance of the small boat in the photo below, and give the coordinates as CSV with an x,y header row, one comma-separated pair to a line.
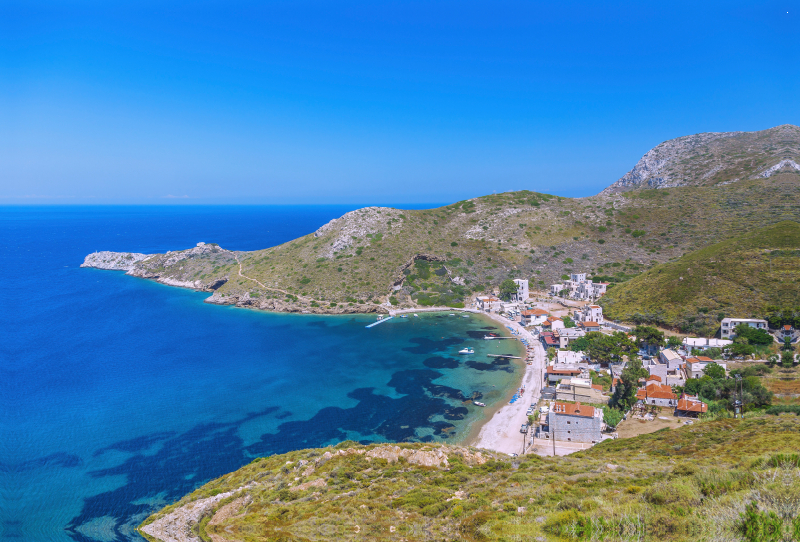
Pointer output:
x,y
466,351
478,403
465,316
452,314
403,316
416,315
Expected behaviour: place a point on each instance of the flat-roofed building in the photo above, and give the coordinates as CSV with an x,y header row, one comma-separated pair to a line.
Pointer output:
x,y
729,324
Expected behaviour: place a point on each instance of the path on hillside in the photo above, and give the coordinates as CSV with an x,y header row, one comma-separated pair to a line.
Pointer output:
x,y
236,257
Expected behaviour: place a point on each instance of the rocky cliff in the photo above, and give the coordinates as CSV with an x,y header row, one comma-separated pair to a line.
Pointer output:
x,y
715,158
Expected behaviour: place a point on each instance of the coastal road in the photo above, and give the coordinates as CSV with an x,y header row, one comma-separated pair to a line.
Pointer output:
x,y
501,433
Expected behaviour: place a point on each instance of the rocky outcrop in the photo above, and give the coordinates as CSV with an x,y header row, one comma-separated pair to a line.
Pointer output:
x,y
117,261
424,458
783,164
176,526
356,225
714,157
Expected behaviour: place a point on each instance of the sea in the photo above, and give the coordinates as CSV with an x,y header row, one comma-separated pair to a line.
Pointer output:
x,y
119,395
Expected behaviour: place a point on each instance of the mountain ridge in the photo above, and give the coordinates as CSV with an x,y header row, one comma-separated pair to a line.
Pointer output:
x,y
662,167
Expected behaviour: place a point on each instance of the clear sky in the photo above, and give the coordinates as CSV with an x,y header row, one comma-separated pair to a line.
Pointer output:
x,y
375,101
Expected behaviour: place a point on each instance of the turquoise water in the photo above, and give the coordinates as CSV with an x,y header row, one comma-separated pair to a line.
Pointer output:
x,y
120,395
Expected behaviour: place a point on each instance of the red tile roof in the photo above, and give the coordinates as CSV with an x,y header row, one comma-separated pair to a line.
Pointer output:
x,y
654,377
654,390
563,371
689,403
576,409
787,327
534,312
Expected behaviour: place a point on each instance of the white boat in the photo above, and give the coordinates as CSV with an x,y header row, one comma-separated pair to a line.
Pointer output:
x,y
416,315
478,403
452,314
466,351
403,316
464,316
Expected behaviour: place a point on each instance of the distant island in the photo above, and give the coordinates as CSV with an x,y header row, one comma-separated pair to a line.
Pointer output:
x,y
685,194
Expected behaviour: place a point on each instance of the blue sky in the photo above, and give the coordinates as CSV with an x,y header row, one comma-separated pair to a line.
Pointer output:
x,y
342,102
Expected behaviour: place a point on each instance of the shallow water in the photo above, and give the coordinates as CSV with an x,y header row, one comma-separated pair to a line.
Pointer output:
x,y
120,395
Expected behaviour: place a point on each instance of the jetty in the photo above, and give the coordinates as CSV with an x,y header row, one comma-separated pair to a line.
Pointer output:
x,y
502,356
493,338
382,320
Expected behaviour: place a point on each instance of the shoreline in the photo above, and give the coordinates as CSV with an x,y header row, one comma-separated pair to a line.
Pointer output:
x,y
500,432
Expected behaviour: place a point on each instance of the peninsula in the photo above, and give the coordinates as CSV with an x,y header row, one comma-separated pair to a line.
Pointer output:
x,y
683,195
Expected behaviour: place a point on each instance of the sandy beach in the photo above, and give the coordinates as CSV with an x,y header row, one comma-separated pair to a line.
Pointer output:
x,y
501,432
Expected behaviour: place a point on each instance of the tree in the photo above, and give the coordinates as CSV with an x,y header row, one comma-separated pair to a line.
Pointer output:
x,y
625,392
741,347
507,288
773,359
581,344
754,336
714,371
610,348
649,337
568,322
787,359
551,353
674,342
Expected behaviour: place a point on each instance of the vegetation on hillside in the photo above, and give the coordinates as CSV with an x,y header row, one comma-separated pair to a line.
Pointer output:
x,y
752,275
721,480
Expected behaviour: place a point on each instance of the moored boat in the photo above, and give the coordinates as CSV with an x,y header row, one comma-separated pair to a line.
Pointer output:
x,y
466,351
478,403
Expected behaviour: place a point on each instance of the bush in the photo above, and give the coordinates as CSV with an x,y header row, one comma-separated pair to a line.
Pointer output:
x,y
393,300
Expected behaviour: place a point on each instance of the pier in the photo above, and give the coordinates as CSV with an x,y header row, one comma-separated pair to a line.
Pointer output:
x,y
382,320
493,338
502,356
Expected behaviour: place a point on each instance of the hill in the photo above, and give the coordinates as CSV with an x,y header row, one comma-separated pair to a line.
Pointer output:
x,y
715,158
720,480
371,257
740,277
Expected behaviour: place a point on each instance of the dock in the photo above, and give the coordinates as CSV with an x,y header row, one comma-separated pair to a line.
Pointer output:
x,y
502,356
493,338
382,320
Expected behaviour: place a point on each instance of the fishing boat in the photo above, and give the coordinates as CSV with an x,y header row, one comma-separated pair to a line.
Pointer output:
x,y
403,316
478,403
466,351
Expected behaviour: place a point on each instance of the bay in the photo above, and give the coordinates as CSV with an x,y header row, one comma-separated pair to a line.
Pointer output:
x,y
119,395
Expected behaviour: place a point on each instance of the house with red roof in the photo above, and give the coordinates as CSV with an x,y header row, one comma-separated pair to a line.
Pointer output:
x,y
658,394
690,405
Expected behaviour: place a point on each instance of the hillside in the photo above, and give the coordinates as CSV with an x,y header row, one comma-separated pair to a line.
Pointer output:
x,y
715,158
695,483
373,256
739,277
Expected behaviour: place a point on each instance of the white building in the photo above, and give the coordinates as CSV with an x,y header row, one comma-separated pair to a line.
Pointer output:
x,y
567,335
567,357
700,343
729,324
696,366
522,290
589,313
578,287
488,303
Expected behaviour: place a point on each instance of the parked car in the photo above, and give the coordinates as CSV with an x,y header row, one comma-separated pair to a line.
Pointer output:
x,y
530,412
524,428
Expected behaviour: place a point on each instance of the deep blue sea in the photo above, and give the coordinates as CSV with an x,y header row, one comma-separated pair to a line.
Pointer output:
x,y
119,395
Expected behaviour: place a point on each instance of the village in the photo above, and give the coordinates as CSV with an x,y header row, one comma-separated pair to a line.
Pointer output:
x,y
583,357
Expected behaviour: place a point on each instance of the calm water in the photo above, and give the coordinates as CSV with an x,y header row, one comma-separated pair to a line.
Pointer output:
x,y
119,395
